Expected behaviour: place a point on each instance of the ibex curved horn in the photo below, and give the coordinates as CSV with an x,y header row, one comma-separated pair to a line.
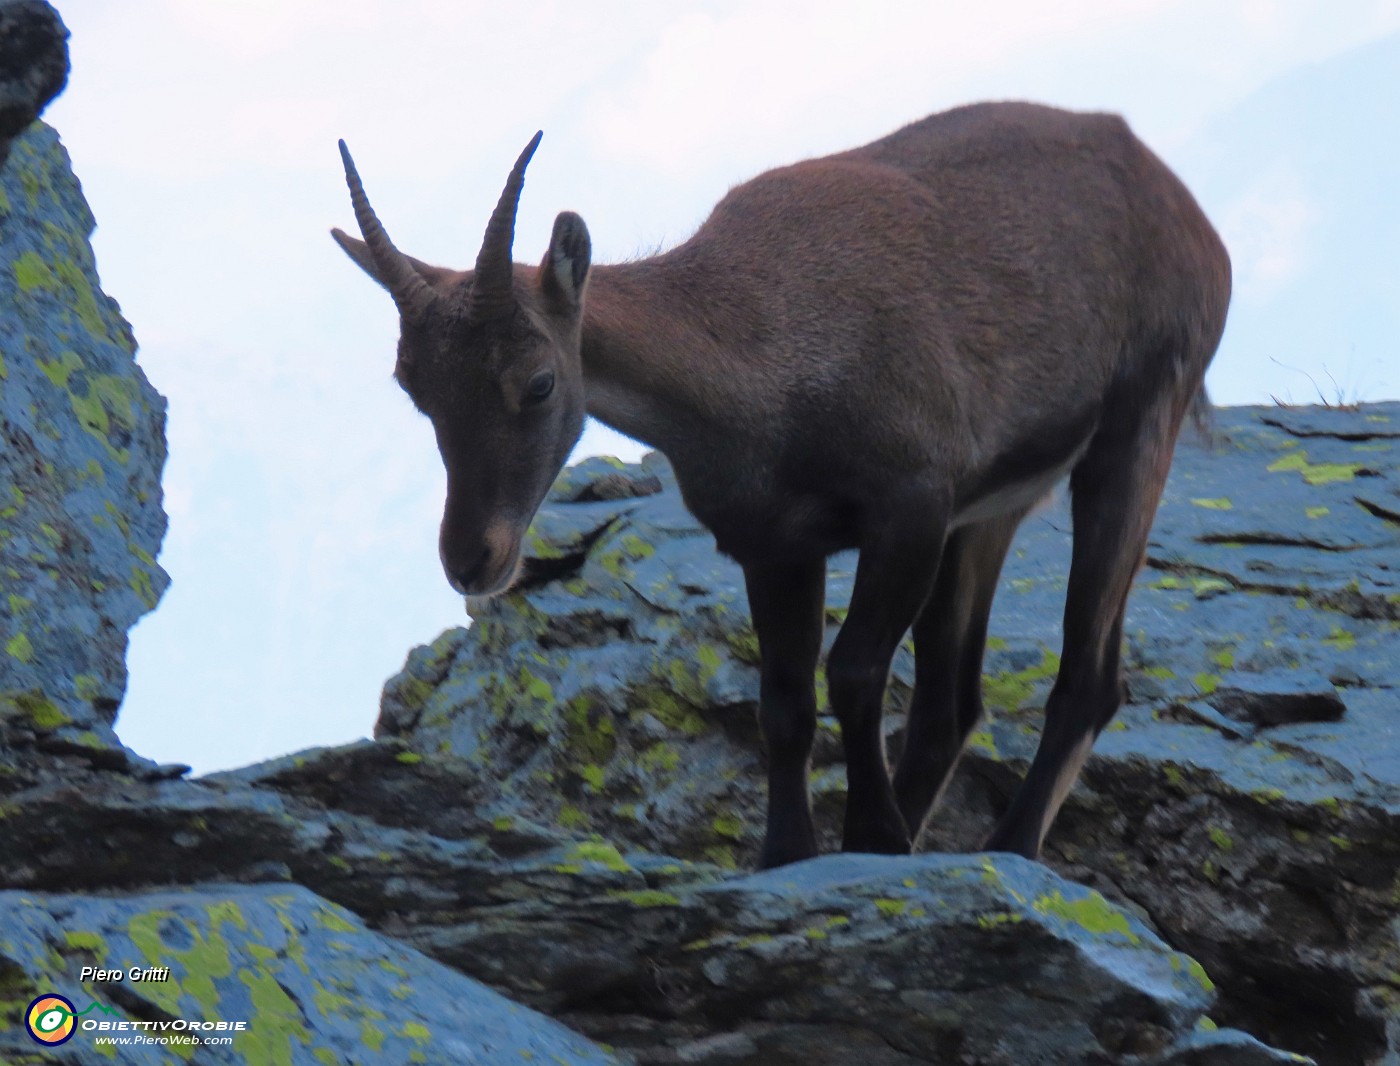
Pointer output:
x,y
405,285
491,283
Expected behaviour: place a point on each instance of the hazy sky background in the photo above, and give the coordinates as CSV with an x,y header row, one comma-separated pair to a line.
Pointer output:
x,y
304,493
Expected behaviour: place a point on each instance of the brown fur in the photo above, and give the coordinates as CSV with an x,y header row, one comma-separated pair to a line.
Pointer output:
x,y
894,349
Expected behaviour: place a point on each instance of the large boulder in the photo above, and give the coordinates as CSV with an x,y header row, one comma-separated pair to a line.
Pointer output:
x,y
311,985
851,958
81,449
1246,799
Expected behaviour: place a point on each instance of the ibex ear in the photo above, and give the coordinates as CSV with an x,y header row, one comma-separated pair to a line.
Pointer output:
x,y
565,267
359,251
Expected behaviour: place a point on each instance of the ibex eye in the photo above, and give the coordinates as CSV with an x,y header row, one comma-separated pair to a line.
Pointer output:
x,y
540,386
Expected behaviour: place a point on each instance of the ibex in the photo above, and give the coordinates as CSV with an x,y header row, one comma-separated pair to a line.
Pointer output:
x,y
900,349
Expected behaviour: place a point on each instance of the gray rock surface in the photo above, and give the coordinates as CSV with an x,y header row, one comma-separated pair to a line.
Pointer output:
x,y
81,449
315,987
846,958
1246,800
932,959
33,64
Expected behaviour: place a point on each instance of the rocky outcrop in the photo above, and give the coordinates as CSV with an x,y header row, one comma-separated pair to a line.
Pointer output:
x,y
663,952
33,64
937,959
1245,802
81,449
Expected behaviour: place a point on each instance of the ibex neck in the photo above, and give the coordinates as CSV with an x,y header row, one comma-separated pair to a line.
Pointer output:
x,y
658,360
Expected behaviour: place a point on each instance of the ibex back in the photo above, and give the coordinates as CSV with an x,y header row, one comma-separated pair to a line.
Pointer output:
x,y
900,349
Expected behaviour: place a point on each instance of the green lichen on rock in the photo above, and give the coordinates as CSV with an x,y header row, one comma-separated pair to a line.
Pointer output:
x,y
81,452
313,985
1091,912
1009,690
1316,473
599,852
647,898
1220,838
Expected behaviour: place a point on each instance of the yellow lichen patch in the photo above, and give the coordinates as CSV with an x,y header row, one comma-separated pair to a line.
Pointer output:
x,y
744,644
1220,838
1009,690
79,940
570,817
729,826
589,730
144,588
1341,639
1315,473
1219,503
19,647
649,897
1093,913
597,851
983,741
31,272
722,856
992,921
277,1023
43,714
1201,586
329,919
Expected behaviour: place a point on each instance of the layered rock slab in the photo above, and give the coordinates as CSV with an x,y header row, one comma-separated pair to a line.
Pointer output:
x,y
934,959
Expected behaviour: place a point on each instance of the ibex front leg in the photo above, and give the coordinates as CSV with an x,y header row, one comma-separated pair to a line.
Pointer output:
x,y
786,601
893,580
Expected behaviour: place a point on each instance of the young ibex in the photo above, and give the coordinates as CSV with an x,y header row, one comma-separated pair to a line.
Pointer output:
x,y
900,349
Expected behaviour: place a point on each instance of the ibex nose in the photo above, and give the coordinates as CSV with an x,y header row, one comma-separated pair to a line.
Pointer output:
x,y
462,579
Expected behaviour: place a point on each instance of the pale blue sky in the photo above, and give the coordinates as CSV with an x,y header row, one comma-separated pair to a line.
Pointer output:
x,y
303,491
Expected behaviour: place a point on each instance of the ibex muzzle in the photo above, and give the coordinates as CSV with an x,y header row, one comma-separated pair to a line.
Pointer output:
x,y
897,349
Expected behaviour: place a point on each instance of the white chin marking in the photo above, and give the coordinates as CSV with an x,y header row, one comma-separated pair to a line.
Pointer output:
x,y
478,599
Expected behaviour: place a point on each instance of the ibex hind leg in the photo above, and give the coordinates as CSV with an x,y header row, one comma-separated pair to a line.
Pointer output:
x,y
950,638
1115,490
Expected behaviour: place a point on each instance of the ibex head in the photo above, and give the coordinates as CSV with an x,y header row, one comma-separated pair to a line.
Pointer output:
x,y
492,357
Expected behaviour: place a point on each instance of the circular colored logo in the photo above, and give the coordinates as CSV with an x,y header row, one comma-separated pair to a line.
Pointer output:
x,y
49,1019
